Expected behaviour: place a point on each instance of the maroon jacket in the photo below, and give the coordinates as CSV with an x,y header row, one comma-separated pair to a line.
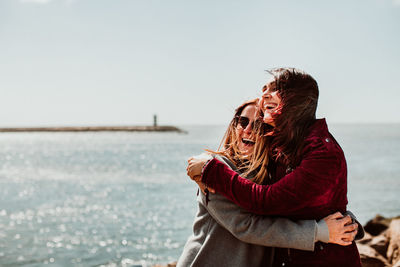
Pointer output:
x,y
313,190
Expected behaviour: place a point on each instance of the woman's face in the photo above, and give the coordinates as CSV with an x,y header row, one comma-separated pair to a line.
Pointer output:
x,y
246,139
269,102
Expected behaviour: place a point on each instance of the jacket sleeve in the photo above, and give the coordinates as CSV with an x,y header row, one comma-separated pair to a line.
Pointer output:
x,y
260,230
311,184
360,230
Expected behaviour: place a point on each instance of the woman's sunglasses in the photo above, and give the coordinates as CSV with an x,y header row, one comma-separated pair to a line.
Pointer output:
x,y
257,125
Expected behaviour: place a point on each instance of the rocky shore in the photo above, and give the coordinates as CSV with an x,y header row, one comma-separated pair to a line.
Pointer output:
x,y
381,243
380,246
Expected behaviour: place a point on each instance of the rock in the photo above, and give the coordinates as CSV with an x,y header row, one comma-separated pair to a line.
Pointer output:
x,y
393,251
370,257
377,225
380,243
366,239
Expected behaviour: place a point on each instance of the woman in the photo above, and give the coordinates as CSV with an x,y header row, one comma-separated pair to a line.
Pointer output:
x,y
225,235
306,161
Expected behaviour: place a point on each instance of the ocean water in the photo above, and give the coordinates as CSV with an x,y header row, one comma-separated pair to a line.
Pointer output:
x,y
123,199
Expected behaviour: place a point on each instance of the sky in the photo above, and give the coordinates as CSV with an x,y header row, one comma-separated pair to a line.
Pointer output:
x,y
119,62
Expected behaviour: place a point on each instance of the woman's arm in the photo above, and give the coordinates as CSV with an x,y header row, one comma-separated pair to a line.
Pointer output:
x,y
320,178
261,230
277,232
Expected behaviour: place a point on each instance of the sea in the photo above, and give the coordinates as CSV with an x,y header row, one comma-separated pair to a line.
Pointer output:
x,y
123,198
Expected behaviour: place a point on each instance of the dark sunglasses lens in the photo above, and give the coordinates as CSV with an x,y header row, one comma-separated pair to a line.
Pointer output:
x,y
243,122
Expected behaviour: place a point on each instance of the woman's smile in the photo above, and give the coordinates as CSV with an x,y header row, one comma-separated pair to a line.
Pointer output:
x,y
244,130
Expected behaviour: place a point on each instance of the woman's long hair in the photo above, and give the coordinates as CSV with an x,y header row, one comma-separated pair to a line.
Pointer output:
x,y
253,166
299,97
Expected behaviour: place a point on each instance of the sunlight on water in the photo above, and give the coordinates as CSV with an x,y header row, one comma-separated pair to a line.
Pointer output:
x,y
112,199
123,199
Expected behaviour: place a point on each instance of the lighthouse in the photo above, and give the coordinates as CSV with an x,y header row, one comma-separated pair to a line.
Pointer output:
x,y
155,120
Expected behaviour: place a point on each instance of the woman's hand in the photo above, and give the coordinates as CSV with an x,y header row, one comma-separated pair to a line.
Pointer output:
x,y
202,186
196,164
342,230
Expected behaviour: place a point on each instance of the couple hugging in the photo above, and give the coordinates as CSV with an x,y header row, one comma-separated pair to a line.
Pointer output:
x,y
274,194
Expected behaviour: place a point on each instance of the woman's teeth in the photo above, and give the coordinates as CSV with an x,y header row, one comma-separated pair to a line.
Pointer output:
x,y
248,142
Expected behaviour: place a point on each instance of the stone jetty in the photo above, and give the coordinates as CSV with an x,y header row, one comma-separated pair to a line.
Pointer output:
x,y
95,129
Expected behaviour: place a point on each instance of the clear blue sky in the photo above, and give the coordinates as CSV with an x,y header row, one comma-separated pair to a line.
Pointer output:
x,y
91,62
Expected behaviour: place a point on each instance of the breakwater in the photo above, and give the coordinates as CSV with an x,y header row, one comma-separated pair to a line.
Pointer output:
x,y
95,129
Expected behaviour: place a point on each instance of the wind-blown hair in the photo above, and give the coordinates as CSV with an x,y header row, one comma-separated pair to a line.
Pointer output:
x,y
299,98
283,142
250,167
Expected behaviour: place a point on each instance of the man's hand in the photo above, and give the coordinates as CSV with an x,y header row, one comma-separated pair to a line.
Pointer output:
x,y
342,230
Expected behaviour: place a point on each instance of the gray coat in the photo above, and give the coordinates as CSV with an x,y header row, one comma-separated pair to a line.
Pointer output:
x,y
226,235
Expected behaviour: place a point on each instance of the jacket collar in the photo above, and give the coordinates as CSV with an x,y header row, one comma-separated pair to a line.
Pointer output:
x,y
318,127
